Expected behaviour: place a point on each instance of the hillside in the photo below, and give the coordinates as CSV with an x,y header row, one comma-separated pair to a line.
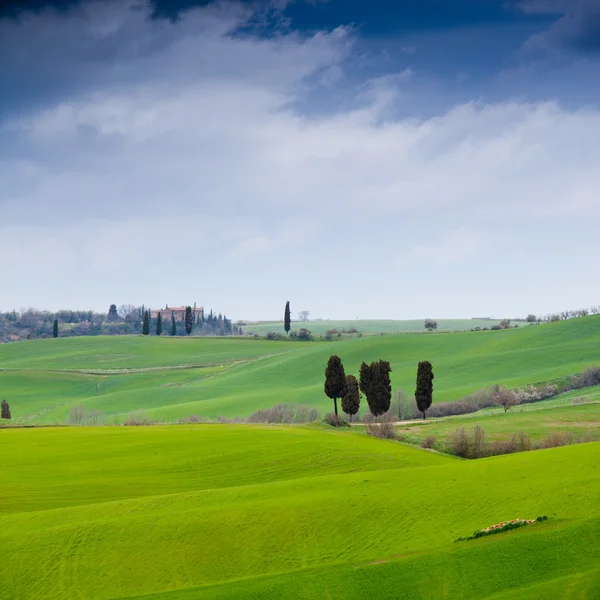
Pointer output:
x,y
370,326
298,512
171,378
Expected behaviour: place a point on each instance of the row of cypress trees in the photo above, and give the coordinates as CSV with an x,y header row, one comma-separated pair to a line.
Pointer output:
x,y
375,384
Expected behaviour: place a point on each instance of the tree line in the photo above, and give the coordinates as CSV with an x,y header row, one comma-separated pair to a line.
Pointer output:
x,y
126,319
374,382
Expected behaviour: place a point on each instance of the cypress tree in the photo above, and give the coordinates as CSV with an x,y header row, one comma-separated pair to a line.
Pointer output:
x,y
287,323
376,386
424,391
55,328
5,410
146,323
189,320
351,397
335,380
159,324
112,313
173,325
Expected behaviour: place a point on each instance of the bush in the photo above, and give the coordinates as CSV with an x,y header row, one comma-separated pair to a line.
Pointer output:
x,y
558,438
428,442
305,335
284,414
459,443
383,430
335,420
138,419
588,378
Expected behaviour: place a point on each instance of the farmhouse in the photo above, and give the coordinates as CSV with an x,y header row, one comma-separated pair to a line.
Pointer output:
x,y
178,312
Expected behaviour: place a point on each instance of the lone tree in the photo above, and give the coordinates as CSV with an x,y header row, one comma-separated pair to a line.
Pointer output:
x,y
287,319
146,323
375,384
424,391
55,328
112,313
531,319
430,324
173,325
351,397
189,320
505,398
335,380
159,324
5,410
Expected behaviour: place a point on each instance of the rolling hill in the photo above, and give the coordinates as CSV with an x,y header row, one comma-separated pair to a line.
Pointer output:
x,y
169,378
223,511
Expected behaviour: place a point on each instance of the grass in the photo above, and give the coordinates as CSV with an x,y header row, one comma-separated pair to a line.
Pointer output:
x,y
172,378
370,327
565,413
221,511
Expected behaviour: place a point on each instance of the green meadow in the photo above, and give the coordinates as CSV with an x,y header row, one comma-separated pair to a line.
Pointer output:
x,y
576,412
170,378
222,511
240,511
370,327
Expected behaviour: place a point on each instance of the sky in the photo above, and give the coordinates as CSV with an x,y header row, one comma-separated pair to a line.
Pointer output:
x,y
383,160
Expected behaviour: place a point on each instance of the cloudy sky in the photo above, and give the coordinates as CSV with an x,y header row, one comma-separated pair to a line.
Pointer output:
x,y
375,159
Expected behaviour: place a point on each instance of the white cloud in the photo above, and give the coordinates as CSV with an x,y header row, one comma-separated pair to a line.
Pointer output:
x,y
195,151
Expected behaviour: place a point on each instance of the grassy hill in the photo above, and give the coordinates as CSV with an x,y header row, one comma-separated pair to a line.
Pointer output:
x,y
372,326
222,511
174,377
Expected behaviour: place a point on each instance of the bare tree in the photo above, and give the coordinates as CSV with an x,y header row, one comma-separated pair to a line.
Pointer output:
x,y
94,417
76,415
128,312
303,315
506,398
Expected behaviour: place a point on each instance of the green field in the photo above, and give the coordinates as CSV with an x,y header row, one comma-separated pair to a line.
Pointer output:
x,y
169,378
374,326
576,412
224,511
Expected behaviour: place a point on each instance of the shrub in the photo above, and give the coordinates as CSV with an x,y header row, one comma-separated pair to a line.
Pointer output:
x,y
428,442
557,438
304,334
478,446
335,420
588,378
383,430
138,419
459,442
274,336
284,414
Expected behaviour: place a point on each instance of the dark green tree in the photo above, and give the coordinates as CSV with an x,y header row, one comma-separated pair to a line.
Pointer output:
x,y
159,324
112,313
173,325
189,320
351,397
287,320
375,384
335,380
55,328
5,410
424,391
146,323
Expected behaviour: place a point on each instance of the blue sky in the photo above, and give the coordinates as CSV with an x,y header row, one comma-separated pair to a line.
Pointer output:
x,y
382,159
